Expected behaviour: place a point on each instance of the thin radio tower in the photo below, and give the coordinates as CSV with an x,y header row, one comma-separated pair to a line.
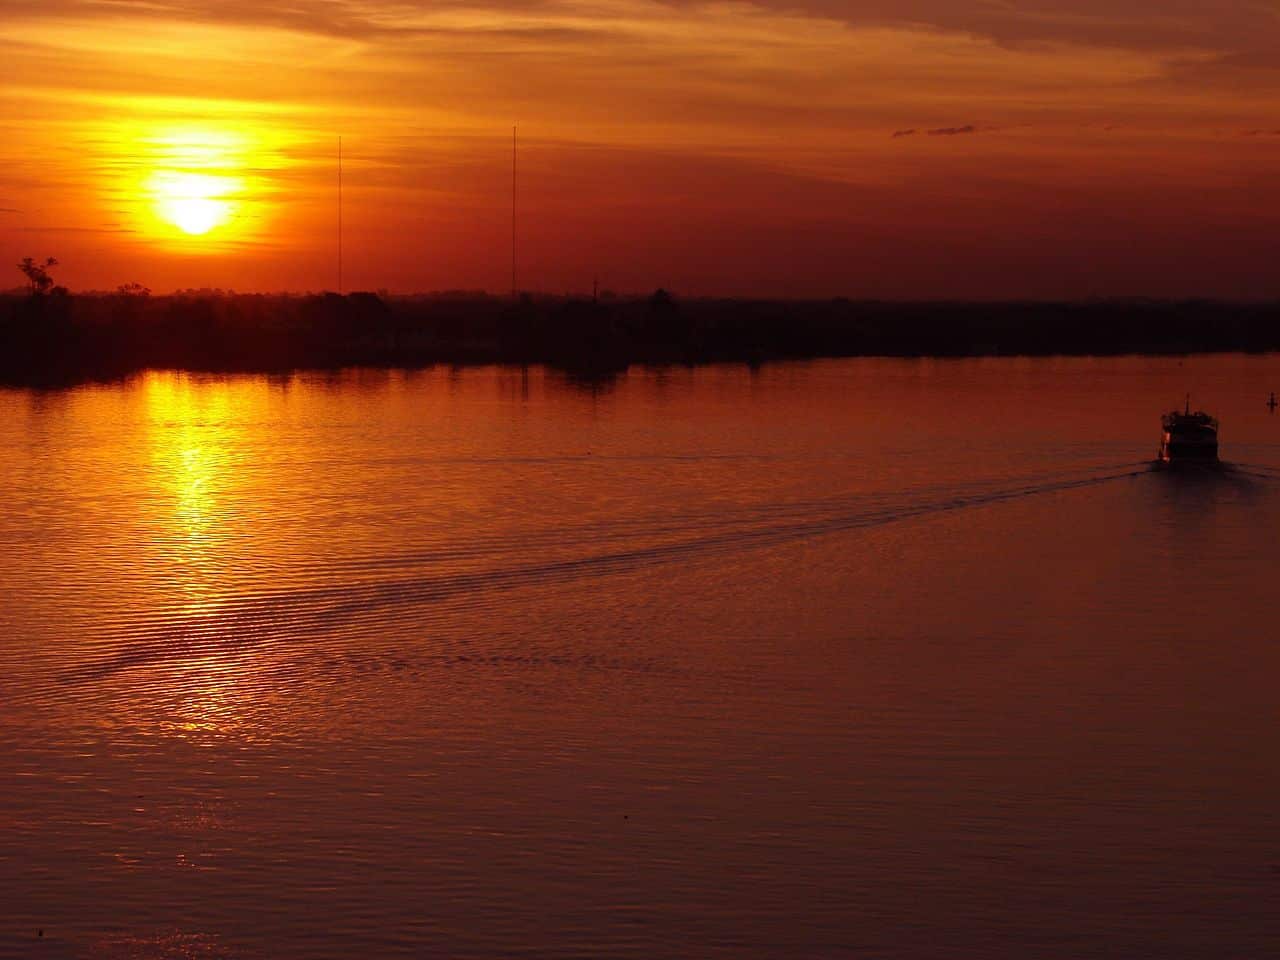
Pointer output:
x,y
339,216
514,288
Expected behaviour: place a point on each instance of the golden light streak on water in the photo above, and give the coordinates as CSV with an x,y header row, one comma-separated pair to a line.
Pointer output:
x,y
192,440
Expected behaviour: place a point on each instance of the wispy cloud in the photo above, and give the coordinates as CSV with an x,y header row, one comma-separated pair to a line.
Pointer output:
x,y
819,91
66,229
1231,28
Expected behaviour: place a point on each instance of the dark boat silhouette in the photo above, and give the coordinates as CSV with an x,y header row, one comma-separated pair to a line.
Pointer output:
x,y
1189,437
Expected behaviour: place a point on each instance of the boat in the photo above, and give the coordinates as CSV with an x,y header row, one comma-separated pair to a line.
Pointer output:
x,y
1189,437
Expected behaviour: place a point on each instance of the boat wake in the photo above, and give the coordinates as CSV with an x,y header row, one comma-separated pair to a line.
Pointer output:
x,y
1254,470
425,587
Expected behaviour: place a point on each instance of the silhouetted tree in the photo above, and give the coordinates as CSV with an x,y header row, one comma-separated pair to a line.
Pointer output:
x,y
661,300
133,290
38,280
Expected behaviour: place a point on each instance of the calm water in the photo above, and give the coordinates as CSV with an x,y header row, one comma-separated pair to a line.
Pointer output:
x,y
846,659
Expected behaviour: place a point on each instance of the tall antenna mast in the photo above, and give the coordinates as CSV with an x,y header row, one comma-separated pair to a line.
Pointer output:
x,y
513,287
339,216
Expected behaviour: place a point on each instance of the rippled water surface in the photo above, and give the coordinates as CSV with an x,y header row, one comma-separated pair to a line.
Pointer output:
x,y
887,659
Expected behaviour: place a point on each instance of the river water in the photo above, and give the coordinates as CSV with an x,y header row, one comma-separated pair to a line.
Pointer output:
x,y
866,658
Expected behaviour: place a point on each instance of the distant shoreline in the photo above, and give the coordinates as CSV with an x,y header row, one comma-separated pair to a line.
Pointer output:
x,y
63,339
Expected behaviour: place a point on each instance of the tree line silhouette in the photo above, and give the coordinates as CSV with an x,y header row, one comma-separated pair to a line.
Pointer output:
x,y
50,335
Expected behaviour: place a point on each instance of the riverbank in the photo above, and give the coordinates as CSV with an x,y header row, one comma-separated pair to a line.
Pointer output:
x,y
100,336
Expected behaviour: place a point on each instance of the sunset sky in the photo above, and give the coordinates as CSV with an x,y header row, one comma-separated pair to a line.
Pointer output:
x,y
889,148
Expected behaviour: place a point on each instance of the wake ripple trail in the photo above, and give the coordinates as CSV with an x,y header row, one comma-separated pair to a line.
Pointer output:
x,y
249,621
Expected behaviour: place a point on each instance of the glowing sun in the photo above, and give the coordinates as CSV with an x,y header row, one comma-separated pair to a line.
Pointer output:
x,y
195,203
203,187
198,188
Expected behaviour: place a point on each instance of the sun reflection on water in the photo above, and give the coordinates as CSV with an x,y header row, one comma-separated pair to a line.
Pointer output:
x,y
192,453
197,452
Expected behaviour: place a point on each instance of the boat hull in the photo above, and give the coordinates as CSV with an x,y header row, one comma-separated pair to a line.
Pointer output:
x,y
1192,448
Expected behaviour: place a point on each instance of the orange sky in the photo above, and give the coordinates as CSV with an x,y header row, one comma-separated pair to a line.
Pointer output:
x,y
1061,148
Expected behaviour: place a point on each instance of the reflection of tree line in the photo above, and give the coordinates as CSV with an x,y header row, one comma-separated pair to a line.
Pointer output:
x,y
49,334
